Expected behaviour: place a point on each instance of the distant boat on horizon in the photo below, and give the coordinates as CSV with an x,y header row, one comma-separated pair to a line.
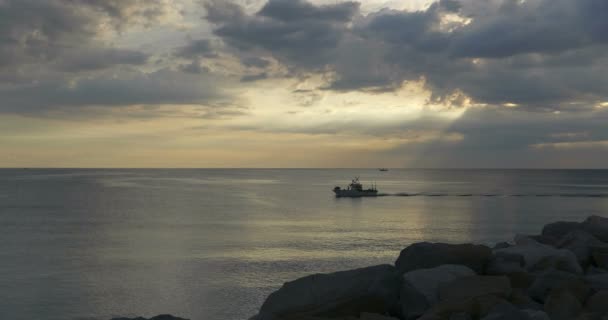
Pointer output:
x,y
383,169
355,190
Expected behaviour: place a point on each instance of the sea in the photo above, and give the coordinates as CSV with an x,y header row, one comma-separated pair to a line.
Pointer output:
x,y
213,243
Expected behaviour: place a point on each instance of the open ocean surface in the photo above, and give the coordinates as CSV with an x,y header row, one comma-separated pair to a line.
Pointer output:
x,y
212,244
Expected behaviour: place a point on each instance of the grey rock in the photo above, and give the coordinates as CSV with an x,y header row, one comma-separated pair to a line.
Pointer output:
x,y
581,244
594,270
536,314
375,316
561,304
534,253
505,311
501,245
460,316
559,229
598,303
467,288
429,255
346,293
505,263
598,281
599,254
476,307
522,300
597,226
159,317
420,288
554,280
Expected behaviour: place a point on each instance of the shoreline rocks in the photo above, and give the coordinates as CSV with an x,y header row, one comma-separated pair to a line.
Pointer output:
x,y
560,274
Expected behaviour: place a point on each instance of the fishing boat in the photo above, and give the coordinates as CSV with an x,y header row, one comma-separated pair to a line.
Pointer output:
x,y
355,190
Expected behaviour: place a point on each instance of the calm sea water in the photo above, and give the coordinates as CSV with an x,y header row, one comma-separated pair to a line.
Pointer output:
x,y
211,244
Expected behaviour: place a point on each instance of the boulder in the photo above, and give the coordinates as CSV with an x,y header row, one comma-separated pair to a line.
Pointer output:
x,y
375,316
159,317
346,293
597,281
536,314
505,263
471,287
553,280
559,229
598,303
420,288
505,311
593,270
429,255
476,307
597,226
460,316
599,254
581,243
561,304
522,300
534,252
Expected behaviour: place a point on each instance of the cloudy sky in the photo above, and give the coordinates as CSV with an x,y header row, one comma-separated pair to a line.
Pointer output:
x,y
304,83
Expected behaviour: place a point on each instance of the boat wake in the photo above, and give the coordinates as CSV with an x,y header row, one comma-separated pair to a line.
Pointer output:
x,y
489,195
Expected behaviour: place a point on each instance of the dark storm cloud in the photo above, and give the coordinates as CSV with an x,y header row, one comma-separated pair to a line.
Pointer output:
x,y
294,30
101,58
33,31
113,90
58,54
255,62
254,77
540,54
197,49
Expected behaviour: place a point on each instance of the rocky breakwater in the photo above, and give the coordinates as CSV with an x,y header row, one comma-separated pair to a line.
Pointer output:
x,y
560,274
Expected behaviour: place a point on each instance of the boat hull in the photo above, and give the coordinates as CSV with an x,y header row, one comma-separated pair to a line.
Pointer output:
x,y
355,193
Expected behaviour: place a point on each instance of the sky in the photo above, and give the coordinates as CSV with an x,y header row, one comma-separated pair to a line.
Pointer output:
x,y
304,83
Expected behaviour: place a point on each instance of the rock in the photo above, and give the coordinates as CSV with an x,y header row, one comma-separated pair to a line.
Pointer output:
x,y
593,271
598,303
501,245
428,255
598,281
505,311
521,280
536,314
559,229
544,239
346,293
159,317
534,252
420,288
599,254
467,288
521,299
581,244
554,280
504,263
460,316
597,226
375,316
561,304
476,307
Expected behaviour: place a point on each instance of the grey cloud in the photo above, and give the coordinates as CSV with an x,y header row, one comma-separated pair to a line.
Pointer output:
x,y
202,48
306,40
255,62
114,89
295,10
540,54
254,77
101,58
34,31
